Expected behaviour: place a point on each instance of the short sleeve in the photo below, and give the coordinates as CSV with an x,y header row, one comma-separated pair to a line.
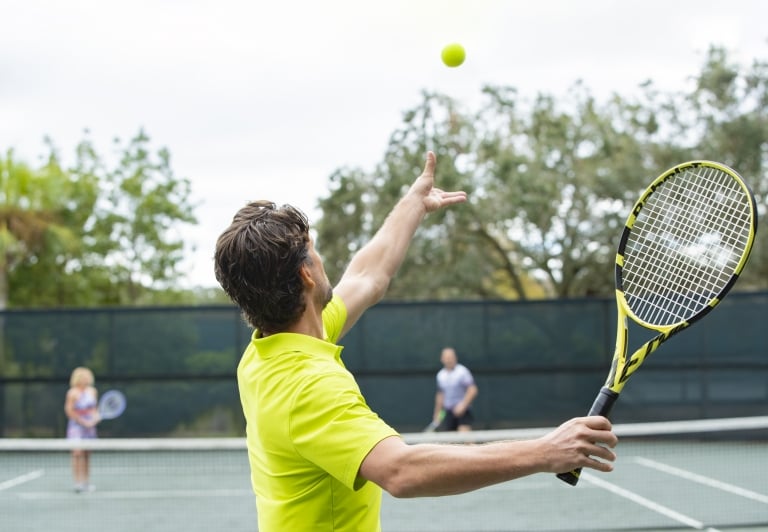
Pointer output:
x,y
334,318
332,426
469,380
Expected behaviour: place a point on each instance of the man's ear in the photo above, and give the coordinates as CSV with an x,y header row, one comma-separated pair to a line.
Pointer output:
x,y
306,276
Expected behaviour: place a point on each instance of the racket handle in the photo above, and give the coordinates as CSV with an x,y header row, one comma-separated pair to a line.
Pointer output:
x,y
601,407
603,402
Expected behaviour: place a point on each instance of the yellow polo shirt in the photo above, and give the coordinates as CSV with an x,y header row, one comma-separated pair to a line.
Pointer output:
x,y
308,430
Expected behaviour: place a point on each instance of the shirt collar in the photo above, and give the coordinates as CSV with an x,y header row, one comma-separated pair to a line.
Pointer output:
x,y
277,344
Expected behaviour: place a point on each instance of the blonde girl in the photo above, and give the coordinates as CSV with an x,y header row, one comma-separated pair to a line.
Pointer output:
x,y
81,409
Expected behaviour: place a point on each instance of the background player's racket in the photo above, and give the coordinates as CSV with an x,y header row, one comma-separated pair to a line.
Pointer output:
x,y
111,405
685,243
432,427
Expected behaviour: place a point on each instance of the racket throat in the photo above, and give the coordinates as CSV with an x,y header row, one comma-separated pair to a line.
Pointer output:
x,y
619,360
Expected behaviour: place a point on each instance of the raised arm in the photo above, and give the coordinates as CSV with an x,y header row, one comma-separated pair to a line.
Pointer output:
x,y
370,271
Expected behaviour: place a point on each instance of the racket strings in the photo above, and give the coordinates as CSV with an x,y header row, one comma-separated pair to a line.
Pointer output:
x,y
684,270
685,245
679,264
112,404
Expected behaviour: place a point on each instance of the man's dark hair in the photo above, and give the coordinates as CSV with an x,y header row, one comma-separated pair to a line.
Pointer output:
x,y
257,263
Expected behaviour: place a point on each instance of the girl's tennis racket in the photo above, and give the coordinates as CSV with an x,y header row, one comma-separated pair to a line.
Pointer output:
x,y
111,405
685,243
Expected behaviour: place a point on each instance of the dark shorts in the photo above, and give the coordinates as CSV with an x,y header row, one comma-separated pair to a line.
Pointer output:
x,y
451,422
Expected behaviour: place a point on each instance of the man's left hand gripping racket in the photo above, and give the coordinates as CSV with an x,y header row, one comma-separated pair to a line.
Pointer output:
x,y
111,405
683,247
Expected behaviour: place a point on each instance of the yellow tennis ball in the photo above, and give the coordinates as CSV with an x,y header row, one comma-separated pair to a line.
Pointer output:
x,y
453,55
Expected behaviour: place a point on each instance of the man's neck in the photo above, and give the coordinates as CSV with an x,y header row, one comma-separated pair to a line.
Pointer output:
x,y
310,323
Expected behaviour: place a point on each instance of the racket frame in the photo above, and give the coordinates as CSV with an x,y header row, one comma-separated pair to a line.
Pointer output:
x,y
105,399
622,367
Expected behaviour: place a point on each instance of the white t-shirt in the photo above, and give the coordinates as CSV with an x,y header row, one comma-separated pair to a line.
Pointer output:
x,y
454,383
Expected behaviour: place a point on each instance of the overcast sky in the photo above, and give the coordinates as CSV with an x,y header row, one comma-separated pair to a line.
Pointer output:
x,y
263,100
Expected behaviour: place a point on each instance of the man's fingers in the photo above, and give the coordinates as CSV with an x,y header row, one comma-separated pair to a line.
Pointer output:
x,y
451,198
605,467
429,166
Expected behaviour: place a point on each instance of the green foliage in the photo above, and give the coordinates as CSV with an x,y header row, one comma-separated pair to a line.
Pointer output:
x,y
36,212
550,182
96,233
549,179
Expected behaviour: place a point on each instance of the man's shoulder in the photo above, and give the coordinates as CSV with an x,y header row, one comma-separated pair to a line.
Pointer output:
x,y
334,317
462,371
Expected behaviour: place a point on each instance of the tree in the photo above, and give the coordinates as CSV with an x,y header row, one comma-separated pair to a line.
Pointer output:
x,y
538,222
39,210
133,231
731,110
109,235
724,118
549,181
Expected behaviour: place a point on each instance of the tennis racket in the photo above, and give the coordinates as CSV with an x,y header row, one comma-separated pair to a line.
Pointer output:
x,y
683,247
432,427
111,405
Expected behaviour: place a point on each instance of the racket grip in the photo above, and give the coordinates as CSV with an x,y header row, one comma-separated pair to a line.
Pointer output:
x,y
603,402
601,407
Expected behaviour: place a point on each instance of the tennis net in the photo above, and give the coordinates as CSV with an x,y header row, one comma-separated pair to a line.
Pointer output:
x,y
686,475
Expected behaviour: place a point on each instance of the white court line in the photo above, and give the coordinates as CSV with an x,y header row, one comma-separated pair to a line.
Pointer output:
x,y
642,501
138,494
707,481
32,475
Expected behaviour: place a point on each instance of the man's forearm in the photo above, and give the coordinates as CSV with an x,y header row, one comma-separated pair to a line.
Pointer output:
x,y
383,255
370,271
469,396
438,406
428,470
436,470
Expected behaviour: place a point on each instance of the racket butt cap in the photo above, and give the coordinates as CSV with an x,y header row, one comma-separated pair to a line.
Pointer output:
x,y
571,477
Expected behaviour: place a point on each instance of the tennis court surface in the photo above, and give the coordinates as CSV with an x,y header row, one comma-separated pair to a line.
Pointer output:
x,y
700,475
